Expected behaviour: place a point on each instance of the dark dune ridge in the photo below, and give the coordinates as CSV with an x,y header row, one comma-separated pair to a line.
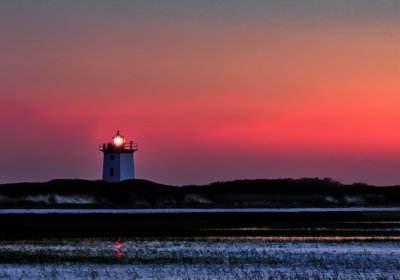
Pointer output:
x,y
306,192
284,193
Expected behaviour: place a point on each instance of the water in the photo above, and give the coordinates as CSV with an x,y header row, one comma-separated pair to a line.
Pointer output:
x,y
311,255
196,210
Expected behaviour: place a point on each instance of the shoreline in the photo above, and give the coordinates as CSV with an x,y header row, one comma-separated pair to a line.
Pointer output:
x,y
44,211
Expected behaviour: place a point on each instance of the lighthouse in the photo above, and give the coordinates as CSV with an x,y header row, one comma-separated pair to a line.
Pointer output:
x,y
118,163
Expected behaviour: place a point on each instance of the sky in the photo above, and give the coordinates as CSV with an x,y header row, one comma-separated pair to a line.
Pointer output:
x,y
211,90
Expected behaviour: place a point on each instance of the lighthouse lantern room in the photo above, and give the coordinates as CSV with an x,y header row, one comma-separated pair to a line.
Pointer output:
x,y
118,163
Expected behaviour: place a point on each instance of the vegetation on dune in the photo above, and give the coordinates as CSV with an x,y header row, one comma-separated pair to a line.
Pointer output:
x,y
304,192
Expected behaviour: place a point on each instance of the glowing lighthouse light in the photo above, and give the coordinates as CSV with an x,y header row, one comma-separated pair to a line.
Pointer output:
x,y
118,164
118,139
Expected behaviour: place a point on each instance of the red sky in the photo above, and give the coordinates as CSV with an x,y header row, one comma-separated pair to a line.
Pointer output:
x,y
210,90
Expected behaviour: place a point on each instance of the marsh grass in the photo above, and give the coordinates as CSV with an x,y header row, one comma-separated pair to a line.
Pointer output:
x,y
200,258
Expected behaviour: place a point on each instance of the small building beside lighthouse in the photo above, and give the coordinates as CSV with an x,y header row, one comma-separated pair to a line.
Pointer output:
x,y
118,162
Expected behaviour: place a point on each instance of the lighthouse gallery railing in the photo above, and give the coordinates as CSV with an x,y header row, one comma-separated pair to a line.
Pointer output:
x,y
123,147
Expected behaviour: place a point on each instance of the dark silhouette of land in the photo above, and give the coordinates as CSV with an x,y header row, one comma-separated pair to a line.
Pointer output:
x,y
241,193
253,194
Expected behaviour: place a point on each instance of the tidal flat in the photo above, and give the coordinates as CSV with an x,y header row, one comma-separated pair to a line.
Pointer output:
x,y
334,257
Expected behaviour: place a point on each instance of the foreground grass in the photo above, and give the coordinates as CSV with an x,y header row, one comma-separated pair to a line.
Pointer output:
x,y
200,258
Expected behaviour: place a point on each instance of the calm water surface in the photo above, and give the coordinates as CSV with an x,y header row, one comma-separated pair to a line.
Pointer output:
x,y
195,210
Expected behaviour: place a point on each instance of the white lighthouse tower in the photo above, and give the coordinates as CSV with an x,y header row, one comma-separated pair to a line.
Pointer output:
x,y
118,164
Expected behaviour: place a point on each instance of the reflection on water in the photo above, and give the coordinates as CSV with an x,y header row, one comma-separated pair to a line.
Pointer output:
x,y
317,239
119,254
